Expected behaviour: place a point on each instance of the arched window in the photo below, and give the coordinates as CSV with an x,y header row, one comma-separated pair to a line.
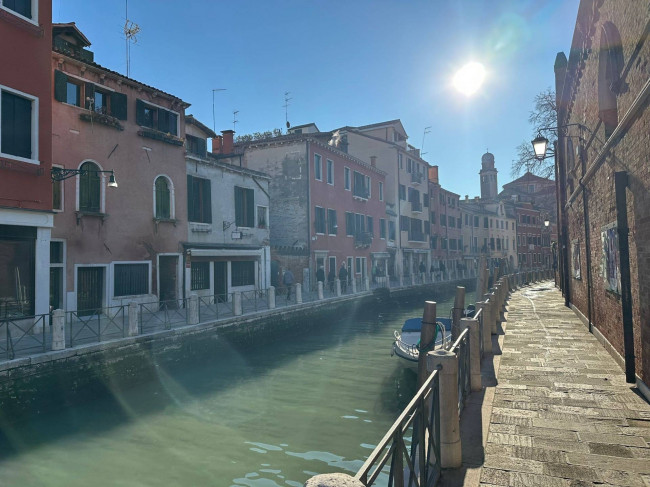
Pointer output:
x,y
163,198
90,188
610,66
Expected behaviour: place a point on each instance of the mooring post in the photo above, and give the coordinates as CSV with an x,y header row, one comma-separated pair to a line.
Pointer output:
x,y
446,363
474,352
492,314
320,290
354,285
427,333
338,287
484,306
367,283
58,329
193,310
298,293
134,316
457,312
237,307
271,297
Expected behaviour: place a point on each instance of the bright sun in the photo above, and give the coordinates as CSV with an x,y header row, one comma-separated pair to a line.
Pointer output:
x,y
469,78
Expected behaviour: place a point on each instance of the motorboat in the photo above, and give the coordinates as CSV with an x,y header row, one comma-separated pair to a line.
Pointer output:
x,y
407,341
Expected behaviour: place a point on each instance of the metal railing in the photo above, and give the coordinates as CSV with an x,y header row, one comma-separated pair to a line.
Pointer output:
x,y
461,349
422,418
24,334
216,307
479,316
253,301
163,314
93,325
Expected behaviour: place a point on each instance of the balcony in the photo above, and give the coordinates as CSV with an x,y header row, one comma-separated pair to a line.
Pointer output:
x,y
416,206
417,236
417,177
362,239
361,192
65,47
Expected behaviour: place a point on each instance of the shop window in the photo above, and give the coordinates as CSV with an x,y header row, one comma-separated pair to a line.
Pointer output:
x,y
130,279
200,276
243,273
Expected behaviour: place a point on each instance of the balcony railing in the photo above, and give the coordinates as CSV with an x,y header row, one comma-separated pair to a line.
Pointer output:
x,y
361,192
417,236
362,239
417,177
71,50
416,205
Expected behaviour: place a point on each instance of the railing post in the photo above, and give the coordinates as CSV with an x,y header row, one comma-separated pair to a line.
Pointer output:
x,y
446,363
193,310
354,286
320,290
474,352
457,312
236,302
298,294
492,315
485,324
271,297
58,329
427,332
338,287
134,316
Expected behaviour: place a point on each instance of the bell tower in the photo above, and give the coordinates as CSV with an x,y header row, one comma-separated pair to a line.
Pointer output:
x,y
488,173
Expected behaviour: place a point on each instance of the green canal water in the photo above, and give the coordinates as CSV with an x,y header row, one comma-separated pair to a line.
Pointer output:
x,y
269,415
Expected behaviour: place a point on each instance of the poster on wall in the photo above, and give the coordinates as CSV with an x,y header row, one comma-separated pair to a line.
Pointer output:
x,y
610,268
575,258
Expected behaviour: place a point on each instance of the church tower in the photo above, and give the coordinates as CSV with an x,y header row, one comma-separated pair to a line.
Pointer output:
x,y
489,186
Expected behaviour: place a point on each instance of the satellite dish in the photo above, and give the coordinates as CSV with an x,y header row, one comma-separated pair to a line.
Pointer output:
x,y
288,124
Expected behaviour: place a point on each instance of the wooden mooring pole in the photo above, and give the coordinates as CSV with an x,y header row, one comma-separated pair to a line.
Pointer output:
x,y
427,332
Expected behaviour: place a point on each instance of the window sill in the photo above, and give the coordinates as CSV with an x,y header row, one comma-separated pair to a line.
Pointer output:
x,y
90,214
15,18
108,120
200,227
157,221
161,136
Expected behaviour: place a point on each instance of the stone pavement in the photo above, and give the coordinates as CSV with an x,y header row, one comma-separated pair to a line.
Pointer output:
x,y
562,414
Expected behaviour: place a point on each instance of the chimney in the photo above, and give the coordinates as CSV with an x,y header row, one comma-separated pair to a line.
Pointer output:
x,y
433,174
217,143
466,198
227,141
373,161
476,198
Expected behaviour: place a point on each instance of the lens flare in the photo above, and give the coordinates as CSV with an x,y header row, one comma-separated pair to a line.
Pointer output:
x,y
469,78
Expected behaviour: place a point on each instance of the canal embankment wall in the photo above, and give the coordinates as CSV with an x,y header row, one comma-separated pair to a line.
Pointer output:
x,y
35,384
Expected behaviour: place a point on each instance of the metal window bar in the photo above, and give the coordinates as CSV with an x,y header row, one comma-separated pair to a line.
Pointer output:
x,y
422,418
84,326
24,334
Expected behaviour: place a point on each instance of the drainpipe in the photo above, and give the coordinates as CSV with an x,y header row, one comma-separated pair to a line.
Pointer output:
x,y
559,161
620,183
308,210
585,211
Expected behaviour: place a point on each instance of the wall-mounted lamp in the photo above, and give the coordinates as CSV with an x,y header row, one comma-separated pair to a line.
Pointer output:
x,y
547,222
61,173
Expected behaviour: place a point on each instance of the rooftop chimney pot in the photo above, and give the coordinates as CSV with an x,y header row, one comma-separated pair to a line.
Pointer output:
x,y
227,141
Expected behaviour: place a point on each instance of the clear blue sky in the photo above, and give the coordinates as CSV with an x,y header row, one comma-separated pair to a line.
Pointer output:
x,y
346,63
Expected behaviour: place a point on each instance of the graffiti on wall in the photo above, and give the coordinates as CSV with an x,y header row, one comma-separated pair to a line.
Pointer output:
x,y
575,259
610,263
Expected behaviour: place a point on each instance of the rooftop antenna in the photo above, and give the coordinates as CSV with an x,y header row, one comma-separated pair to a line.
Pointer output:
x,y
131,29
234,120
214,123
427,130
286,107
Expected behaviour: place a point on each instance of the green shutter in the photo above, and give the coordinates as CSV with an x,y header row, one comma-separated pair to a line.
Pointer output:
x,y
118,105
239,206
202,147
250,208
139,113
163,120
60,85
207,202
190,198
90,96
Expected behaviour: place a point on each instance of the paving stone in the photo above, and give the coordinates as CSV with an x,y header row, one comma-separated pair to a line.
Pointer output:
x,y
514,464
638,465
506,439
566,471
610,450
557,434
628,440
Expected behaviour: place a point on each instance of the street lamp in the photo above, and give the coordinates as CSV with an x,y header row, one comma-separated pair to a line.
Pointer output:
x,y
540,143
547,222
61,173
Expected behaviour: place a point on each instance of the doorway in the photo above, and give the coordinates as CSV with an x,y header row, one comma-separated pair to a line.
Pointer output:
x,y
90,290
168,275
221,279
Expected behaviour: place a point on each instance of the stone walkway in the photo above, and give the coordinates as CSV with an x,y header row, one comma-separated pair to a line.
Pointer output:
x,y
562,414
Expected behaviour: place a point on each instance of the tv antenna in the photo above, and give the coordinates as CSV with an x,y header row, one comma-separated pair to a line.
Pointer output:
x,y
234,119
131,29
214,123
287,99
427,130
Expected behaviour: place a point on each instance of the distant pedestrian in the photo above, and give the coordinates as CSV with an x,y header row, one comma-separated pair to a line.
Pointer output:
x,y
287,280
320,275
343,277
331,277
421,268
374,272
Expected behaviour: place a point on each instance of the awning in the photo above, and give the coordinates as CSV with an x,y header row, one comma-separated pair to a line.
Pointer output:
x,y
380,255
225,252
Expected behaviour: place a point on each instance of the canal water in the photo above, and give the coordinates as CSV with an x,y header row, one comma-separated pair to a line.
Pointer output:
x,y
269,415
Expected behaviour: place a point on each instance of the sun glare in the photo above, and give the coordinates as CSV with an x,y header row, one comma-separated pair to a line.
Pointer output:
x,y
469,78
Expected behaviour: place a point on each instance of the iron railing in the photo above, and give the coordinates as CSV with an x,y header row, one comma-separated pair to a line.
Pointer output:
x,y
254,300
165,314
422,419
23,334
461,349
95,325
216,307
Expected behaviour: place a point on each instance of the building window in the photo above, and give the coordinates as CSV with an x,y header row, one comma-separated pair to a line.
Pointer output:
x,y
24,8
369,225
90,188
330,172
262,217
319,219
409,164
200,276
318,167
346,175
243,273
391,230
130,279
361,188
476,222
199,202
443,220
382,228
156,118
349,224
485,222
73,93
432,217
163,198
244,207
381,191
196,145
332,226
402,192
368,186
18,125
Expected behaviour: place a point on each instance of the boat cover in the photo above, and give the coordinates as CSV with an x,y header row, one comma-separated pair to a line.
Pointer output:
x,y
415,324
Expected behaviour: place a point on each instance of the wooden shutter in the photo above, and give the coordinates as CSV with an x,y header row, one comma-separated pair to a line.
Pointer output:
x,y
239,207
118,105
163,120
190,199
139,112
250,208
202,147
207,202
89,94
60,85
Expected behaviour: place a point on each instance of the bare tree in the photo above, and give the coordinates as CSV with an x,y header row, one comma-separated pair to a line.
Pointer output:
x,y
543,116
